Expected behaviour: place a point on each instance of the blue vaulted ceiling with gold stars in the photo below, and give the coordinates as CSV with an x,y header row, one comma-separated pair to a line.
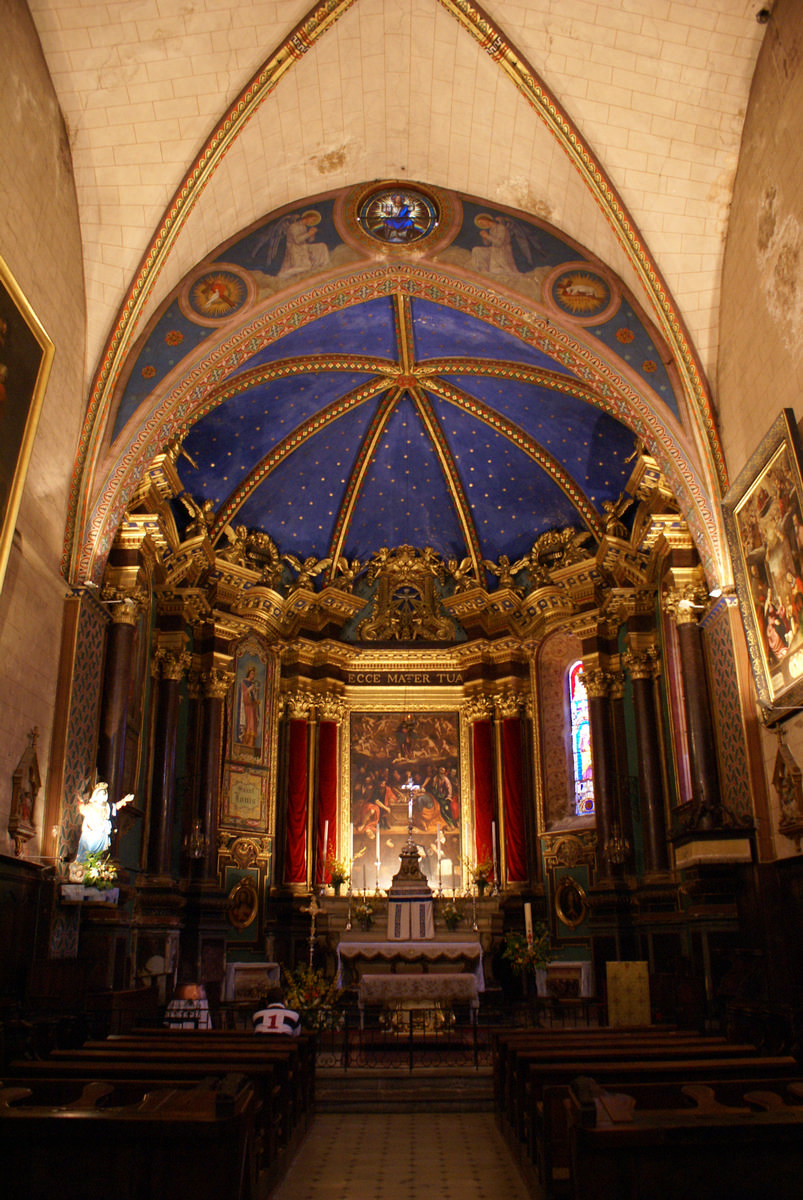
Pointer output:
x,y
392,366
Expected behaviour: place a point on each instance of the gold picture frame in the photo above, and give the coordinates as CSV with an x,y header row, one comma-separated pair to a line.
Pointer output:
x,y
26,356
763,513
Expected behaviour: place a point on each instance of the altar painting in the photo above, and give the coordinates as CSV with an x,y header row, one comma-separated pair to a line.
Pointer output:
x,y
402,764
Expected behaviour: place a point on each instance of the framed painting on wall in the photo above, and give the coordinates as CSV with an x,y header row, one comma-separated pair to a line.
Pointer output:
x,y
764,524
403,765
26,355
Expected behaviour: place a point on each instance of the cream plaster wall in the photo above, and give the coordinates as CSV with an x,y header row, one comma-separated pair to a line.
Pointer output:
x,y
40,242
760,369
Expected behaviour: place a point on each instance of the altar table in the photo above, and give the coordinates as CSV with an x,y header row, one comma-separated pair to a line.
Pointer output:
x,y
419,991
357,958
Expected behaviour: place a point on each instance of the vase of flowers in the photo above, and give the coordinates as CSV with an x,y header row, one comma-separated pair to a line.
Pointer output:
x,y
312,996
365,914
479,871
525,956
338,873
452,915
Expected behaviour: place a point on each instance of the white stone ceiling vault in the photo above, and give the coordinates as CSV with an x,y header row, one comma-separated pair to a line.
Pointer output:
x,y
191,119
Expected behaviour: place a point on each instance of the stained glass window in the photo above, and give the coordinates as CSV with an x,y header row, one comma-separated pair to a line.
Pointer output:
x,y
581,743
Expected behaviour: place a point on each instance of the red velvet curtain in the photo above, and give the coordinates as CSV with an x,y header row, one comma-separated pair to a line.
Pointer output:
x,y
327,796
513,801
295,870
483,788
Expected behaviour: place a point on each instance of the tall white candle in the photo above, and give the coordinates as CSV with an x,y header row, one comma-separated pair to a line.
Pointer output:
x,y
438,842
528,922
325,841
493,851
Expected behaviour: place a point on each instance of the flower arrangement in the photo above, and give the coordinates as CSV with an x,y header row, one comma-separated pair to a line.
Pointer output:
x,y
99,870
311,995
338,871
480,870
452,915
364,913
523,955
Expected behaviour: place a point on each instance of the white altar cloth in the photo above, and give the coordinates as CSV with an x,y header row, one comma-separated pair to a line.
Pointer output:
x,y
410,920
359,957
419,990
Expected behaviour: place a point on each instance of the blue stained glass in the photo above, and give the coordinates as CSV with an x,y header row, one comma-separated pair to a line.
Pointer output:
x,y
581,743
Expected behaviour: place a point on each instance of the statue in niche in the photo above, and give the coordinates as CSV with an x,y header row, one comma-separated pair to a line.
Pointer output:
x,y
98,814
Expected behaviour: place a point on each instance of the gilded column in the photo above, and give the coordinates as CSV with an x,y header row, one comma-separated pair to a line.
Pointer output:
x,y
513,836
683,604
331,711
216,685
124,609
643,669
623,813
479,714
597,684
298,707
169,667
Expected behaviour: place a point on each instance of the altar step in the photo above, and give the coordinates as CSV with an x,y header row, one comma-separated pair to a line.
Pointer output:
x,y
436,1089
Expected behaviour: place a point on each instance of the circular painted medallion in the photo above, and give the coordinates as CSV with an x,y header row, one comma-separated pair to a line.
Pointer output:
x,y
398,216
216,295
579,291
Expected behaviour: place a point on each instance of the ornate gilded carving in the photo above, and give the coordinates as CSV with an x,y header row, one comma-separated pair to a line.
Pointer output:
x,y
597,683
616,687
478,708
168,664
643,664
569,849
405,607
332,708
245,851
508,704
306,571
557,548
217,683
299,705
125,606
685,604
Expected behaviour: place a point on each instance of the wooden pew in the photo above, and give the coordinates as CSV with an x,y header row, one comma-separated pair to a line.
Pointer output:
x,y
544,1150
275,1141
211,1057
663,1154
305,1044
197,1142
516,1100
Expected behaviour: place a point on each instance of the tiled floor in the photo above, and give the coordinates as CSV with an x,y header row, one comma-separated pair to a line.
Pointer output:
x,y
406,1156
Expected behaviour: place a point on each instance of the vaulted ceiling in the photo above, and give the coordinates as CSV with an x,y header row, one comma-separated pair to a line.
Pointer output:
x,y
413,410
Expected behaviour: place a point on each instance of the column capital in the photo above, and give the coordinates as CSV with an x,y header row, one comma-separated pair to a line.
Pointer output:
x,y
216,683
616,685
597,683
331,708
124,604
298,706
170,664
478,708
508,704
642,664
685,603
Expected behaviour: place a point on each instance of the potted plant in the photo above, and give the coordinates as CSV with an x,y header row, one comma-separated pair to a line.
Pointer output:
x,y
452,915
364,913
338,873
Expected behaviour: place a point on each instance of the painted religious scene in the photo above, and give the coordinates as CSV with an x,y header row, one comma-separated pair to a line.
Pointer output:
x,y
405,766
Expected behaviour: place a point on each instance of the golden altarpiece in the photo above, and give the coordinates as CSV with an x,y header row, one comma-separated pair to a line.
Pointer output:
x,y
273,716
